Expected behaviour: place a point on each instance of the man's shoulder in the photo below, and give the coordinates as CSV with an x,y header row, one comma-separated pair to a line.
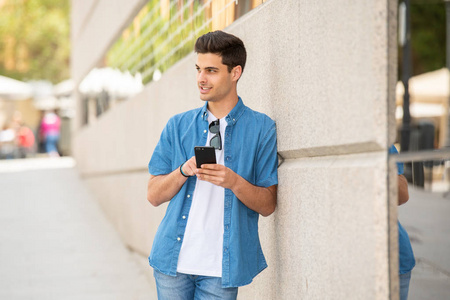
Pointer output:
x,y
258,117
393,149
185,116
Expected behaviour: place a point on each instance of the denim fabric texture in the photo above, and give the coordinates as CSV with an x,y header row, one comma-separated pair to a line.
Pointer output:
x,y
51,142
251,151
188,287
404,285
406,259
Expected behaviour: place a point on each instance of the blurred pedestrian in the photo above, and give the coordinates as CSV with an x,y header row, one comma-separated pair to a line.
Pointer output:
x,y
7,142
25,141
50,132
406,259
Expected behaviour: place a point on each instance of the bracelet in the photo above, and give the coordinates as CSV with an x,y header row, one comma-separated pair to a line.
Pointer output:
x,y
181,171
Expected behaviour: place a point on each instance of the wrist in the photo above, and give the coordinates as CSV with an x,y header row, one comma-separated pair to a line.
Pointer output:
x,y
181,170
234,183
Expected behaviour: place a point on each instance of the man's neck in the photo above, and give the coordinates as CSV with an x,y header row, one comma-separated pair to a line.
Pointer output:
x,y
222,108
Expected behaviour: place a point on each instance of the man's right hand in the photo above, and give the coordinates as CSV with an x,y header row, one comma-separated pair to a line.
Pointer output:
x,y
190,167
162,188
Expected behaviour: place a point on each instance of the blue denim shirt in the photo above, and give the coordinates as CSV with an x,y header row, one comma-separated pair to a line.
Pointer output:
x,y
406,259
251,151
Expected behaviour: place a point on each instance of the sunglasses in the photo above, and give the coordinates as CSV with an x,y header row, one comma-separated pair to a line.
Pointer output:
x,y
216,140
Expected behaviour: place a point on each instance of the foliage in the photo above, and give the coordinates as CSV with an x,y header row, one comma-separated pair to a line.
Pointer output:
x,y
34,39
428,37
162,33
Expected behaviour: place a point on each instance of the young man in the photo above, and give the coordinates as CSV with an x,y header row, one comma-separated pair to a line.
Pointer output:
x,y
207,245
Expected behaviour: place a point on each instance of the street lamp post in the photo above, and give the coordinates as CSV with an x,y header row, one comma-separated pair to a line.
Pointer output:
x,y
405,42
447,54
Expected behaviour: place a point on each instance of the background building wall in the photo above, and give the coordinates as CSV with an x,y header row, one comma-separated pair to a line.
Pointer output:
x,y
325,72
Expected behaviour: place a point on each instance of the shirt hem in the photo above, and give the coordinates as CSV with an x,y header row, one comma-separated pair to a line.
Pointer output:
x,y
199,273
246,282
407,270
160,270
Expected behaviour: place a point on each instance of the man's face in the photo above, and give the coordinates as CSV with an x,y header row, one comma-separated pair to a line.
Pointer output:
x,y
213,79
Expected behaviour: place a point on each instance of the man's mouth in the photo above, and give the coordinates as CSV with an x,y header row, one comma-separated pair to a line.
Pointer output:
x,y
204,89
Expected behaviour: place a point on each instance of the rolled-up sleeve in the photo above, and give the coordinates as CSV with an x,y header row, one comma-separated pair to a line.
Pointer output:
x,y
267,159
161,161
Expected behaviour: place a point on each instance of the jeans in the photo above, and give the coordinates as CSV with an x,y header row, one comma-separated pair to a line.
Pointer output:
x,y
190,287
404,285
51,142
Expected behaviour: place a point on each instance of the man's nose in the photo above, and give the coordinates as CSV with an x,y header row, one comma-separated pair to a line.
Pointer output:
x,y
201,76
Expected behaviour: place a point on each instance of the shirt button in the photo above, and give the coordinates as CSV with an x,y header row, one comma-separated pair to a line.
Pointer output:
x,y
184,217
204,131
189,196
178,239
234,120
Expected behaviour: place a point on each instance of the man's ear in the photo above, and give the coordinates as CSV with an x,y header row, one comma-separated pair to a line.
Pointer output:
x,y
236,73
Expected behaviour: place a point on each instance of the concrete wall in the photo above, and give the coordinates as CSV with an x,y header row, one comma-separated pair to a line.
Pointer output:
x,y
325,71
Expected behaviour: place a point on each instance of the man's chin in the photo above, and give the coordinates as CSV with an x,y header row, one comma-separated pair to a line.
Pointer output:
x,y
205,98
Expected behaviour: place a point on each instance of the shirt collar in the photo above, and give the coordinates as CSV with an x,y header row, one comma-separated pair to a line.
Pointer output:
x,y
232,117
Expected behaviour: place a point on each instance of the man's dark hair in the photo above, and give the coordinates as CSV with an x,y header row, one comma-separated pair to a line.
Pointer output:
x,y
228,46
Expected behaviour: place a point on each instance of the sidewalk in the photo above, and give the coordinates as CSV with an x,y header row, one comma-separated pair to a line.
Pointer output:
x,y
426,217
55,242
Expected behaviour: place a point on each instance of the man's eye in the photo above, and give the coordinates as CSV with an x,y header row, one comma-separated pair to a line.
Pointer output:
x,y
212,71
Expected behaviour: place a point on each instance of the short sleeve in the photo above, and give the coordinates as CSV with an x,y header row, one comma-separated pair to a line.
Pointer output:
x,y
161,160
267,159
400,170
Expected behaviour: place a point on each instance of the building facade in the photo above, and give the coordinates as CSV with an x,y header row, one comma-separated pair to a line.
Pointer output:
x,y
326,73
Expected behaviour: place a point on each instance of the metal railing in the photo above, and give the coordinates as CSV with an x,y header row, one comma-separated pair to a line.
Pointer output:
x,y
425,155
163,32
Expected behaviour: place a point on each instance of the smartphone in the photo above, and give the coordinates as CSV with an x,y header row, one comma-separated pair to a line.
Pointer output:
x,y
205,155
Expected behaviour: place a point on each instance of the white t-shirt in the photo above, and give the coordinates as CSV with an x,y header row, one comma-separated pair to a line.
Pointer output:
x,y
201,250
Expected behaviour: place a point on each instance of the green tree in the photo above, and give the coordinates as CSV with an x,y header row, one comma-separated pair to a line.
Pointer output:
x,y
427,36
35,39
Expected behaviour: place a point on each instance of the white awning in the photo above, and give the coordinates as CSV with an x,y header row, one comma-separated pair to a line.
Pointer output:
x,y
11,89
427,87
64,88
114,82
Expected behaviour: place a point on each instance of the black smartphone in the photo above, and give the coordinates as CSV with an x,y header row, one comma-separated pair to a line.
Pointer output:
x,y
205,155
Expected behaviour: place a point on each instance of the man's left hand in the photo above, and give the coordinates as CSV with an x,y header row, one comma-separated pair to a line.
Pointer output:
x,y
218,175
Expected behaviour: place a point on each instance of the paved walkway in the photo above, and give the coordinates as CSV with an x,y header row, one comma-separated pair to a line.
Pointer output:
x,y
55,242
426,217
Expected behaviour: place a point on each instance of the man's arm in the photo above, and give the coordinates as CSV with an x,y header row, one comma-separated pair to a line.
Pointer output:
x,y
403,195
260,199
162,188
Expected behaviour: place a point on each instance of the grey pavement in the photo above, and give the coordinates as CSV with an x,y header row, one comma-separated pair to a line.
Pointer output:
x,y
56,243
426,217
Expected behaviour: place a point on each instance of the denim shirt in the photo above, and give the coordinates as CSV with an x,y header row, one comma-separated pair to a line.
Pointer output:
x,y
251,151
406,259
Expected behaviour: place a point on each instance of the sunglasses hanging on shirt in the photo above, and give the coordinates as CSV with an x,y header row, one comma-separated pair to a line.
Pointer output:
x,y
216,140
